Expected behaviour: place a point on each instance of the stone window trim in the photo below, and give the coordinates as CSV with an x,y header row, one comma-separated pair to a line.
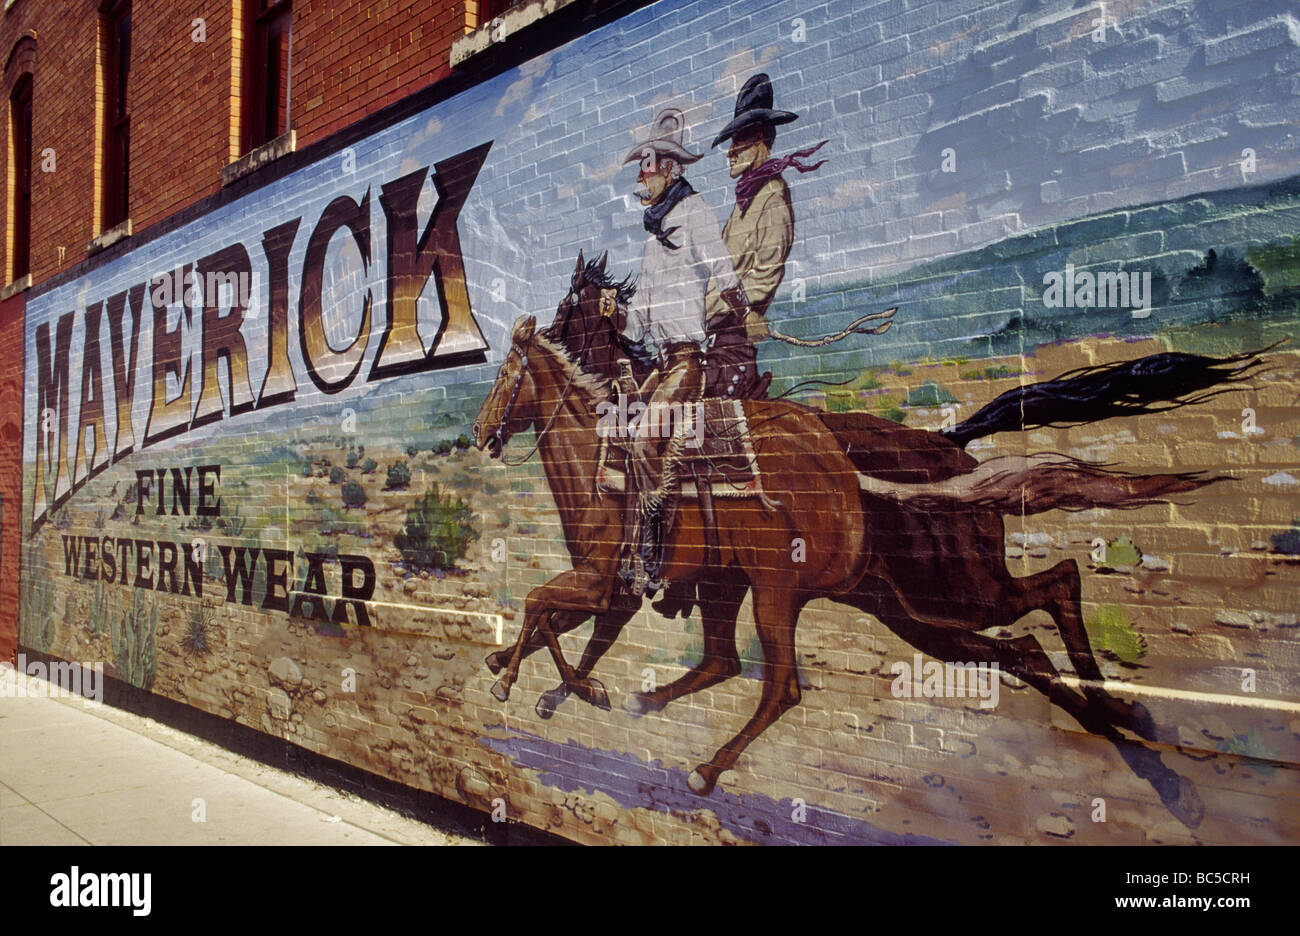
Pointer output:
x,y
263,155
22,284
501,27
110,237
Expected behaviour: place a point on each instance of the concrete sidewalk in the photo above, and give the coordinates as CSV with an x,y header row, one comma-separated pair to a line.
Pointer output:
x,y
73,773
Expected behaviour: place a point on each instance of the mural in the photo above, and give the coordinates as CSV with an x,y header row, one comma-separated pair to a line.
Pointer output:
x,y
893,420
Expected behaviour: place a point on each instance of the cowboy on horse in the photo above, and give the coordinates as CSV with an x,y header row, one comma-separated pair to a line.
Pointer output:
x,y
683,252
759,233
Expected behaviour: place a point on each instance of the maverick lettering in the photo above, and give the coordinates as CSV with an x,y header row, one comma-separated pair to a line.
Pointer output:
x,y
413,257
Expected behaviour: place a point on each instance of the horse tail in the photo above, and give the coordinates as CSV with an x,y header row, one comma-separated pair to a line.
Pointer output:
x,y
1152,384
1033,484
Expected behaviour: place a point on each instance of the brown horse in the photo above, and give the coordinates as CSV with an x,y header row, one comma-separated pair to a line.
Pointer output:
x,y
590,339
887,567
809,479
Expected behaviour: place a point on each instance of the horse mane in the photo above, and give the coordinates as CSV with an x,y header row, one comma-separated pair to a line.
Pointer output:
x,y
583,335
584,380
626,287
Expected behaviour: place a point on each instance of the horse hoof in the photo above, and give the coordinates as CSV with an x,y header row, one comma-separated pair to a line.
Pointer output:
x,y
641,703
1186,805
494,664
548,702
597,695
698,785
499,691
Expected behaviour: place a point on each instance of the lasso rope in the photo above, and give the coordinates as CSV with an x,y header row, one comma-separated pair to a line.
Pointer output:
x,y
851,329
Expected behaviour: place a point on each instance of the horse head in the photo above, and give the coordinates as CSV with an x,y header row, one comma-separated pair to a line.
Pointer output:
x,y
511,403
586,333
578,314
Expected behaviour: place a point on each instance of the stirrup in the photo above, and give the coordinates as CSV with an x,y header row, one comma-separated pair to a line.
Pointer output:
x,y
638,581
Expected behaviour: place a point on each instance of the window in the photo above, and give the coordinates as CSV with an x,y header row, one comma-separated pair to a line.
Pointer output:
x,y
488,9
20,111
117,129
270,57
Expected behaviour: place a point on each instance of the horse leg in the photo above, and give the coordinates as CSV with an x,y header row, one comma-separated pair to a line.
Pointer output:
x,y
776,613
564,622
1058,591
720,661
583,591
607,628
589,690
527,634
986,595
1024,658
1064,602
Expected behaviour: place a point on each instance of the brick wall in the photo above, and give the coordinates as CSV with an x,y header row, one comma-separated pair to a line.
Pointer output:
x,y
185,101
974,151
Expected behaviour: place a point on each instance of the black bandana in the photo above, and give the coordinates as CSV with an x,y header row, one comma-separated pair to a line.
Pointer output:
x,y
654,215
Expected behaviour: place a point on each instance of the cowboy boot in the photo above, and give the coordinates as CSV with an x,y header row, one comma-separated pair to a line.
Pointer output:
x,y
652,549
679,597
632,566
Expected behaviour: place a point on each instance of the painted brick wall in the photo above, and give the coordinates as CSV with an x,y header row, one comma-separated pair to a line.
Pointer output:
x,y
186,108
11,432
974,151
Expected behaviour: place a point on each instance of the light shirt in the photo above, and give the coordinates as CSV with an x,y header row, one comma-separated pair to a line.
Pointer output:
x,y
669,302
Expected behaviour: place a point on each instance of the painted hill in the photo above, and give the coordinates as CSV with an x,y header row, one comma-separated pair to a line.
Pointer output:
x,y
1217,257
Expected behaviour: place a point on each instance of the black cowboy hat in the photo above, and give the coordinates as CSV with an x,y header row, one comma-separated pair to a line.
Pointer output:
x,y
754,107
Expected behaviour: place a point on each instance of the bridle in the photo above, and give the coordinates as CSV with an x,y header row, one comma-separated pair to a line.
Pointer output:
x,y
514,394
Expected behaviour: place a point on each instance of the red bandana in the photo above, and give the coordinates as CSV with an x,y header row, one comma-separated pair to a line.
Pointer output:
x,y
747,185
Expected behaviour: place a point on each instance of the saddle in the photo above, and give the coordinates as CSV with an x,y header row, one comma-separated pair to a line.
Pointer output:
x,y
731,363
717,461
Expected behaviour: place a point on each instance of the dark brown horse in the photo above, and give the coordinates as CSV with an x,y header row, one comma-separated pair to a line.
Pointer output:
x,y
871,553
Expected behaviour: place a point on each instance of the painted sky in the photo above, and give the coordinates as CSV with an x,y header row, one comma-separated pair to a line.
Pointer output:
x,y
1045,122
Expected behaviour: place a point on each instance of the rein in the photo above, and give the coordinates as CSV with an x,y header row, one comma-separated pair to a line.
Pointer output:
x,y
514,393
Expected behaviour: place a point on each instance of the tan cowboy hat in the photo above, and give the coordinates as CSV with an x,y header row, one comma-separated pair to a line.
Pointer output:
x,y
665,139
